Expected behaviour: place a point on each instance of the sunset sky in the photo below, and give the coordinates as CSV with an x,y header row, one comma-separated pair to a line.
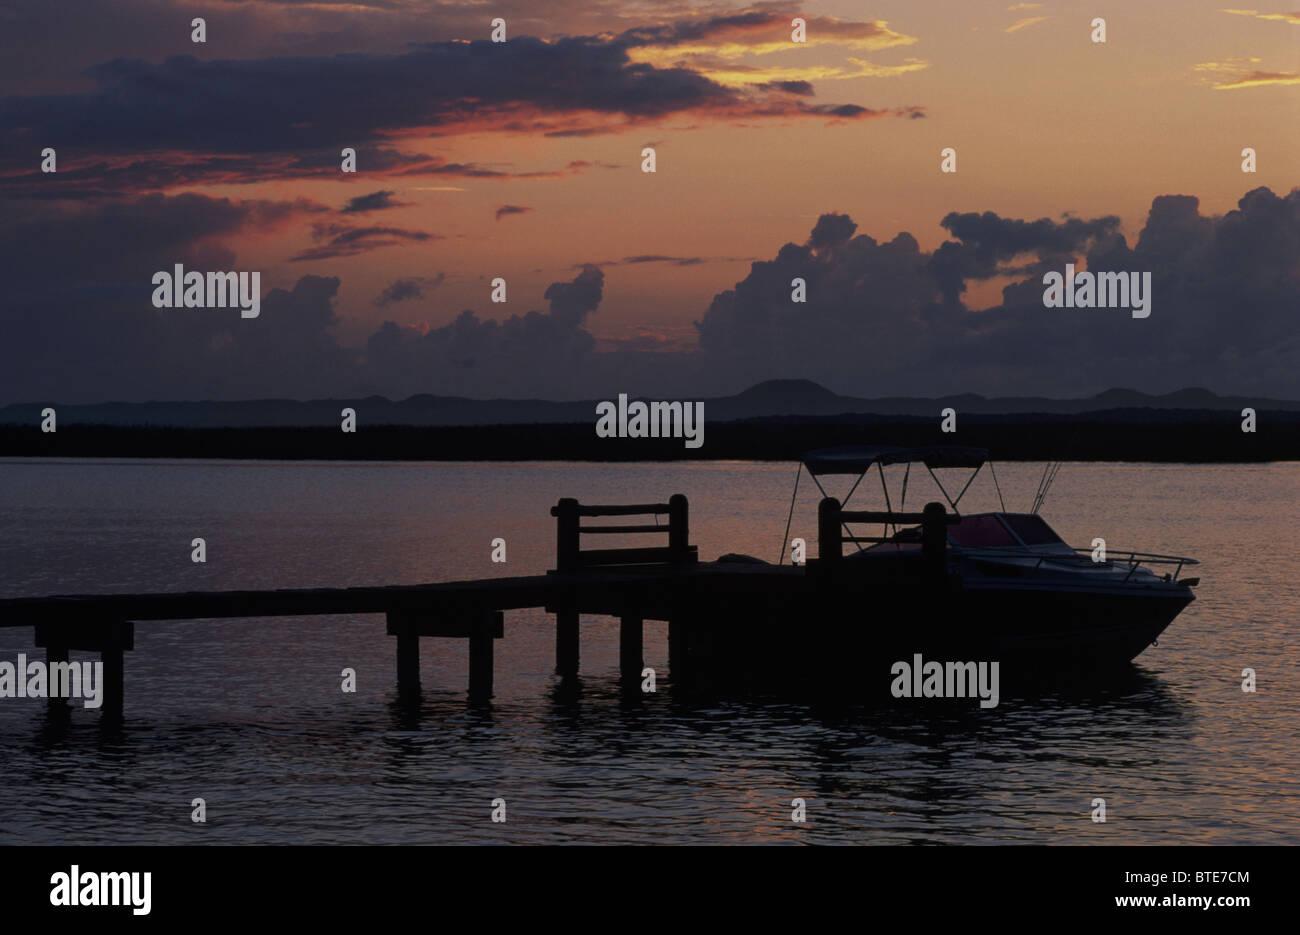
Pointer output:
x,y
522,160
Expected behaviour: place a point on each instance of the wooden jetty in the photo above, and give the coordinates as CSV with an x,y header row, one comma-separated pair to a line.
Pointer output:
x,y
665,583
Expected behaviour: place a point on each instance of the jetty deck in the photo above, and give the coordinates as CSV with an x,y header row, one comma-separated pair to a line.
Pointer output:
x,y
665,583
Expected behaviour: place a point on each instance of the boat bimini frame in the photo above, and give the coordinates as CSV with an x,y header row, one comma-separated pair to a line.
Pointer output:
x,y
859,460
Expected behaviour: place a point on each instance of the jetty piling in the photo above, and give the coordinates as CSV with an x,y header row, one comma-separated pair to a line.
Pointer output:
x,y
631,657
109,638
477,625
566,643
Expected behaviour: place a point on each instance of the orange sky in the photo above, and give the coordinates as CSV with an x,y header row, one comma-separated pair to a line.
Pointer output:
x,y
756,136
1044,122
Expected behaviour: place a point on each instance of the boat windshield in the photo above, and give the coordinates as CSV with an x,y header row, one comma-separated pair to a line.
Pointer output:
x,y
981,530
1031,529
996,529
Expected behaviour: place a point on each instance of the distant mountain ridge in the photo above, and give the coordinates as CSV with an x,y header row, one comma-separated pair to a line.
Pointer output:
x,y
772,399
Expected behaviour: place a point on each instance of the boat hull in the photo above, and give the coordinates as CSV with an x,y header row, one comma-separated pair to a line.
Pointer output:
x,y
1036,630
1062,627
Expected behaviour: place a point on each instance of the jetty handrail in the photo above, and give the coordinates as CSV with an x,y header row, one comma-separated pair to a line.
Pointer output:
x,y
570,556
632,509
833,531
883,516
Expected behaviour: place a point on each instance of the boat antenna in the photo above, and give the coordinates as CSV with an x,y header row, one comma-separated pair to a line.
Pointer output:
x,y
1050,480
780,560
1050,470
1038,491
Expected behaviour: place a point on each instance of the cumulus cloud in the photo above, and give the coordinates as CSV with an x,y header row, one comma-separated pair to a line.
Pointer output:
x,y
883,317
985,242
534,354
80,324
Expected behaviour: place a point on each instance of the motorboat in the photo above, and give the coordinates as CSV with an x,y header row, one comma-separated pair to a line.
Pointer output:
x,y
995,585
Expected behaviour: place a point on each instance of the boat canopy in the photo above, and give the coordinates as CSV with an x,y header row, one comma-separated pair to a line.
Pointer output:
x,y
858,459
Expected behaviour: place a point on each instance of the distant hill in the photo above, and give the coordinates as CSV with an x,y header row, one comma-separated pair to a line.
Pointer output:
x,y
773,399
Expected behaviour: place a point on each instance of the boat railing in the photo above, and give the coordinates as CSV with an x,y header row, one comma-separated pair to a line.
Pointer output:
x,y
1082,555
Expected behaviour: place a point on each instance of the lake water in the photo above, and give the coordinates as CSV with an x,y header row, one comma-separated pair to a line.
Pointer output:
x,y
248,714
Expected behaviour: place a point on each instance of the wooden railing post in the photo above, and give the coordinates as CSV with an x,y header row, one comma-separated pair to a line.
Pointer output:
x,y
566,534
934,540
679,537
830,545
